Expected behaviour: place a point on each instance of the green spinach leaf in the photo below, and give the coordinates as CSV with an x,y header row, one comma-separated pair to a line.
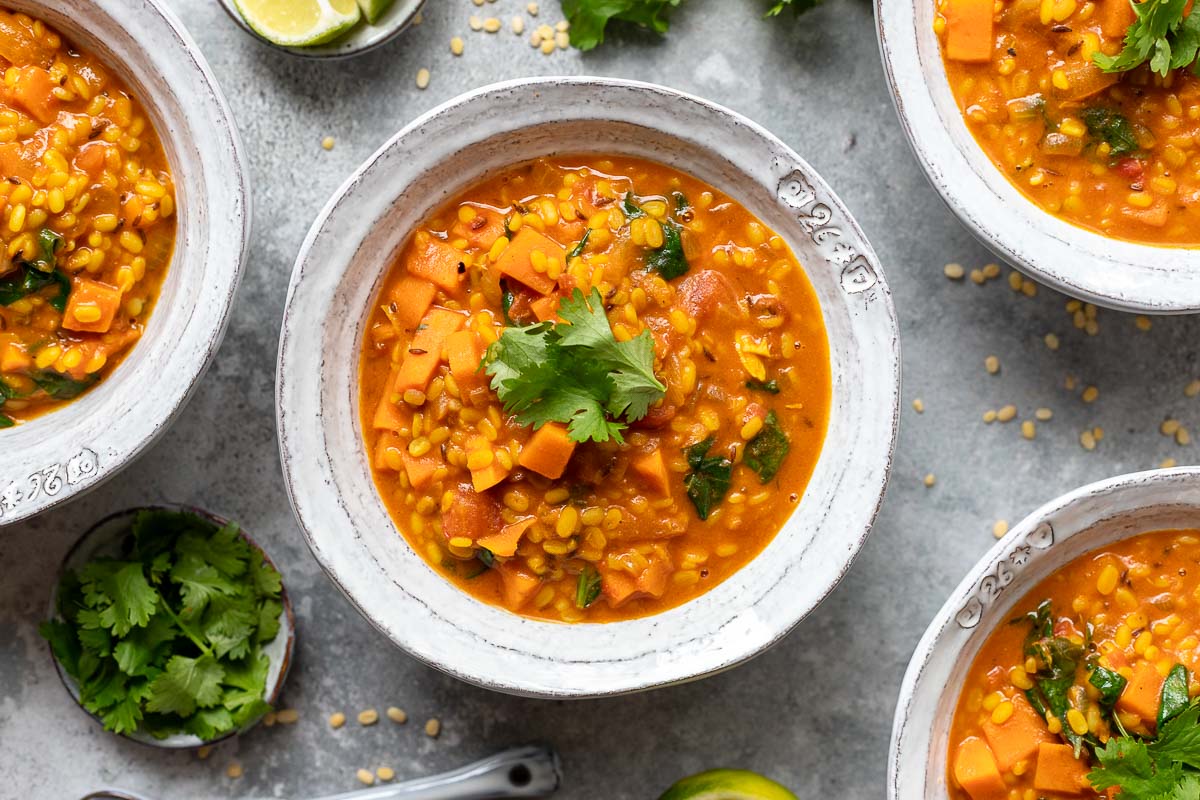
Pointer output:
x,y
708,480
767,450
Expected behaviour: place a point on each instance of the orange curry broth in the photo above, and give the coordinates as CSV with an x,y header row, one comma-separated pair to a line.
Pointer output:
x,y
621,508
80,163
1142,597
1022,74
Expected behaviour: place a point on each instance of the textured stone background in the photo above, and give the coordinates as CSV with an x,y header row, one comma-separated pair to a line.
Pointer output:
x,y
816,711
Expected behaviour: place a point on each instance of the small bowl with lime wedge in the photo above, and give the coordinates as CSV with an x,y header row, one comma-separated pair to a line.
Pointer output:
x,y
170,626
324,28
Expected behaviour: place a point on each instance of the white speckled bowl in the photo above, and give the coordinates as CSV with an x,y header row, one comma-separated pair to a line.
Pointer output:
x,y
340,269
54,457
106,539
1108,272
362,38
1062,530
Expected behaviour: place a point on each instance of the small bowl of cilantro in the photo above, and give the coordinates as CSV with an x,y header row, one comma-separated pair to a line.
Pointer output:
x,y
170,626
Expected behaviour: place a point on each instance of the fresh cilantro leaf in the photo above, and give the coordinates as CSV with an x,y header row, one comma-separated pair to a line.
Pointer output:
x,y
199,583
144,646
1126,763
589,586
209,723
1179,739
268,620
669,260
229,624
797,6
767,450
589,18
132,599
187,684
708,481
225,549
63,644
1159,34
124,715
103,690
1174,697
575,372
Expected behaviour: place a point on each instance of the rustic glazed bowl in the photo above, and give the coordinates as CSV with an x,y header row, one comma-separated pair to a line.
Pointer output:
x,y
360,39
1105,271
1060,531
77,447
340,269
105,539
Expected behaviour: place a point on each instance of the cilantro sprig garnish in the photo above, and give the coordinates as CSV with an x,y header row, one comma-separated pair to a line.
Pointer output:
x,y
1164,768
169,637
590,18
1160,34
575,372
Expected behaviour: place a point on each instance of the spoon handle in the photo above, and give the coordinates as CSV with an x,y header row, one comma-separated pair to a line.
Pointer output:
x,y
529,771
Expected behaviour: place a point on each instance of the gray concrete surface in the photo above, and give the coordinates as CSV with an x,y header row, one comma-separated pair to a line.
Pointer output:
x,y
816,711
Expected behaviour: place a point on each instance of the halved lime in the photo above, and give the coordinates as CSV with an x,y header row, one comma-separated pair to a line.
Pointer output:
x,y
374,9
727,784
299,23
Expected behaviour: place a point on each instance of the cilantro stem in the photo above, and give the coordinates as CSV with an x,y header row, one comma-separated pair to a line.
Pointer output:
x,y
187,631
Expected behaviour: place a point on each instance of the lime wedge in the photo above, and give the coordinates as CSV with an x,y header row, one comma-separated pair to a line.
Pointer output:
x,y
727,784
299,23
374,9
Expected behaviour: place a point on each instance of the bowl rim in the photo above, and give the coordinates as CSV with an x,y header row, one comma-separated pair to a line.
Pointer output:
x,y
1110,272
363,38
520,685
943,622
178,741
28,484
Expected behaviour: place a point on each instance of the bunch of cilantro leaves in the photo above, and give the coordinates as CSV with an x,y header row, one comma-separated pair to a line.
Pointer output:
x,y
169,637
1164,33
590,18
575,372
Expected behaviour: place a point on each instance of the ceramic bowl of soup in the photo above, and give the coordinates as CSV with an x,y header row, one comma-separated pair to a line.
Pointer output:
x,y
604,404
1076,626
1086,180
124,226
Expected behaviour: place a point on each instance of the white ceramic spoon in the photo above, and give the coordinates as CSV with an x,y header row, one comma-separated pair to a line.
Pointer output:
x,y
530,771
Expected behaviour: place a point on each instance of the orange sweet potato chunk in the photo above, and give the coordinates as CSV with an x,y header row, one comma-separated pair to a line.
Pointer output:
x,y
969,30
1059,771
1017,739
92,306
1143,693
426,349
505,542
437,261
413,296
548,451
651,468
464,351
976,771
517,259
517,585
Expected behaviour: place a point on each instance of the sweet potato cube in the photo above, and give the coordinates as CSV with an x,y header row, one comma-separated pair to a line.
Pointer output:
x,y
387,413
437,261
505,542
33,92
464,351
487,477
92,306
969,30
1143,693
1115,17
412,297
14,357
976,771
548,451
517,585
1017,739
546,308
482,230
471,515
617,587
426,349
653,580
1059,771
651,468
516,261
420,470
